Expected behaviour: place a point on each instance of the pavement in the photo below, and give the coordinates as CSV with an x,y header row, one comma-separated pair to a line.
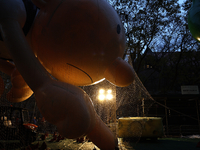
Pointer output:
x,y
160,144
163,144
178,143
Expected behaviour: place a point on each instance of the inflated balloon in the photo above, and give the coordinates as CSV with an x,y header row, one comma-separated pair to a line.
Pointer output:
x,y
20,91
81,42
78,42
194,19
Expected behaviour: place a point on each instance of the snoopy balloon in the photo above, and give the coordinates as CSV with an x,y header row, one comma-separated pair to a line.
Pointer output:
x,y
78,42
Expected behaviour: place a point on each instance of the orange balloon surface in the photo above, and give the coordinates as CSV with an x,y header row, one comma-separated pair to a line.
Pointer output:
x,y
20,91
77,40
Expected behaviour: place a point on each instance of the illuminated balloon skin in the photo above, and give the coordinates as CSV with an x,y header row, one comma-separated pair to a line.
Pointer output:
x,y
20,91
194,19
79,42
76,41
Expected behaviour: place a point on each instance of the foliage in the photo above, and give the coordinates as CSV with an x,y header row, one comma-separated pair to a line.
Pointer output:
x,y
157,35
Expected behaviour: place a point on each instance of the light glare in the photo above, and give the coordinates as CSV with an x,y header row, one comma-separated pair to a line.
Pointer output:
x,y
109,96
109,91
105,95
101,97
101,91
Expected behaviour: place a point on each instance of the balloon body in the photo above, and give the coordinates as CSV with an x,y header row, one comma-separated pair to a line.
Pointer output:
x,y
77,40
194,20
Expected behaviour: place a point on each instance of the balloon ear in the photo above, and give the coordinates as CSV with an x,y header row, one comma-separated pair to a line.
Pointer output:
x,y
120,73
40,3
20,91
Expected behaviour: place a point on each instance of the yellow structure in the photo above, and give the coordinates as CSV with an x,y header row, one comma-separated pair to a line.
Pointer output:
x,y
140,127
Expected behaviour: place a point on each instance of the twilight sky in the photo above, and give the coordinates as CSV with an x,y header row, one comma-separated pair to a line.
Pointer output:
x,y
181,1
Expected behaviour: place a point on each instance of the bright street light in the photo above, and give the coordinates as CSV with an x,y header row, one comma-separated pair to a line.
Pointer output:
x,y
105,95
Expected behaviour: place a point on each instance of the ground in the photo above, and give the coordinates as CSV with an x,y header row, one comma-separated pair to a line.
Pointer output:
x,y
164,144
66,144
159,144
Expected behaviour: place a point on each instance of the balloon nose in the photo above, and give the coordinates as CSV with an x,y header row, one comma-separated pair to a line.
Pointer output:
x,y
120,73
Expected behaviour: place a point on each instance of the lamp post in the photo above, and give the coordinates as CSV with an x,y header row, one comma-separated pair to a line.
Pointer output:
x,y
105,97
